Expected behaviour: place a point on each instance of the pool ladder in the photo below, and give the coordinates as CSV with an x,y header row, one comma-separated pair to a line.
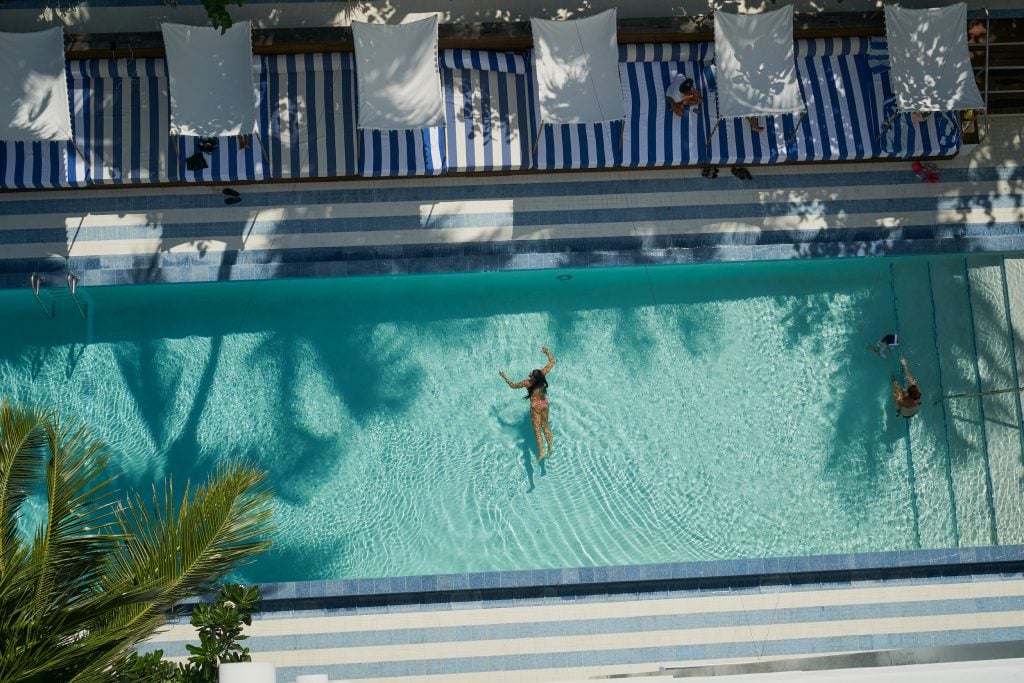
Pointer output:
x,y
36,282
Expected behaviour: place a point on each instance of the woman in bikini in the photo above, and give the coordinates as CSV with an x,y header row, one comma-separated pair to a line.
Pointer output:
x,y
536,390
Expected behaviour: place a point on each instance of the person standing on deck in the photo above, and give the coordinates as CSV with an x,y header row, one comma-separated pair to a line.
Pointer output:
x,y
537,392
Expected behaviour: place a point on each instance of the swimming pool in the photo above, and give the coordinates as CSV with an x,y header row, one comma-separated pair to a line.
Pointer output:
x,y
700,412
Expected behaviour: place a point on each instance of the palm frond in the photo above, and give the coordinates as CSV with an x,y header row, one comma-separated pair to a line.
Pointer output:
x,y
22,451
78,534
182,551
99,577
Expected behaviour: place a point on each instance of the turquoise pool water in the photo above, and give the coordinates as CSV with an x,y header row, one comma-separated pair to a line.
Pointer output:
x,y
699,412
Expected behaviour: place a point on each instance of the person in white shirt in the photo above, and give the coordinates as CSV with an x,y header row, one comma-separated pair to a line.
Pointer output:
x,y
681,94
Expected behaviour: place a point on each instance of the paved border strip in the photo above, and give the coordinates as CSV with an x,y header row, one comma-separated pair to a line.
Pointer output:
x,y
704,574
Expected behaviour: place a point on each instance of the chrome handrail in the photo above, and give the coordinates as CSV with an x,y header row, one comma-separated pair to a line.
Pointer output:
x,y
36,282
73,288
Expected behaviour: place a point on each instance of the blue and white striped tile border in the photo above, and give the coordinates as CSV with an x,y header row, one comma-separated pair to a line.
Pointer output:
x,y
288,596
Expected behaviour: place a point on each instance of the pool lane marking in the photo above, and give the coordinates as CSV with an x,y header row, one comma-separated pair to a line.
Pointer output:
x,y
989,493
476,616
911,478
945,417
648,639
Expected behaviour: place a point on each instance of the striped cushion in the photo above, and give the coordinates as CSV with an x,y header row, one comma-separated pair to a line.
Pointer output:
x,y
307,109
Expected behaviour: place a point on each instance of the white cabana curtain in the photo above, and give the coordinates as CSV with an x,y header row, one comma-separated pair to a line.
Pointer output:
x,y
211,80
755,68
33,87
576,66
397,75
930,66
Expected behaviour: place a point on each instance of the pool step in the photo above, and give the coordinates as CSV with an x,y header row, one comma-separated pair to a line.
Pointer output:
x,y
997,370
928,454
963,426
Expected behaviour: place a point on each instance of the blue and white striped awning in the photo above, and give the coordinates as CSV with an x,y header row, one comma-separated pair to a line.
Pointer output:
x,y
310,114
121,115
29,165
936,136
487,106
307,104
836,82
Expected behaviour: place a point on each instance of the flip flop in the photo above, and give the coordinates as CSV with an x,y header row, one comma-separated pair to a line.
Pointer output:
x,y
925,173
232,200
742,173
230,193
710,172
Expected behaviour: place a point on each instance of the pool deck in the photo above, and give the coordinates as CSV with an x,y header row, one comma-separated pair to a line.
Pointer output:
x,y
515,222
102,16
638,627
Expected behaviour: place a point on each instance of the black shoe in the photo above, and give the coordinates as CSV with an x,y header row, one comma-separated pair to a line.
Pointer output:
x,y
741,173
230,193
207,145
196,162
232,200
710,172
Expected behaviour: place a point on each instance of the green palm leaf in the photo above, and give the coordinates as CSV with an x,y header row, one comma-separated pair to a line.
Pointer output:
x,y
71,546
21,460
99,575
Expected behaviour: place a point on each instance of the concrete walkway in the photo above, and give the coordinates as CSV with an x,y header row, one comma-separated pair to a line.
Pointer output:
x,y
103,16
575,638
513,222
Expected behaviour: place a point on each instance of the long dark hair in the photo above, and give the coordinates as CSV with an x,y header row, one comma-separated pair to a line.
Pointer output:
x,y
539,382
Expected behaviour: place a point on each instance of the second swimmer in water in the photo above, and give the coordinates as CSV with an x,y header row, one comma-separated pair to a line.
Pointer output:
x,y
908,401
536,390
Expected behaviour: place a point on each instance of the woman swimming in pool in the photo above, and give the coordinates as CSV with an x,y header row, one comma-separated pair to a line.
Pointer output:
x,y
536,390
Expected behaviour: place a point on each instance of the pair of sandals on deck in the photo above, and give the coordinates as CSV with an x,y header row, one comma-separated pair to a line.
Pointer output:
x,y
711,172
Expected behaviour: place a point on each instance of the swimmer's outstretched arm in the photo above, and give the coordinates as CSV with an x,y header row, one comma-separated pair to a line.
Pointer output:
x,y
514,385
906,369
551,360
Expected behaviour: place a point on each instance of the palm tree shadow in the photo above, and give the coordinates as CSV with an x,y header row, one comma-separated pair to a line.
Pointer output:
x,y
523,430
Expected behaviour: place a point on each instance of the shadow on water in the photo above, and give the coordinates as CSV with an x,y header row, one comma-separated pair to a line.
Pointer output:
x,y
522,429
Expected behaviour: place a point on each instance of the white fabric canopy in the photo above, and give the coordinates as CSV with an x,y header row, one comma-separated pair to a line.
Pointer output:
x,y
33,87
755,69
211,83
576,64
931,69
397,75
